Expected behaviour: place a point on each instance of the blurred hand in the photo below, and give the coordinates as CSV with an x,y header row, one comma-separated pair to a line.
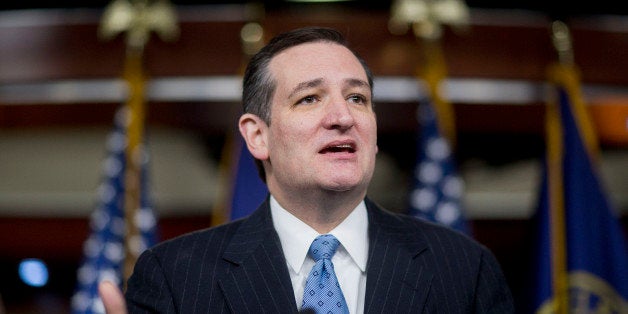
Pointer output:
x,y
112,298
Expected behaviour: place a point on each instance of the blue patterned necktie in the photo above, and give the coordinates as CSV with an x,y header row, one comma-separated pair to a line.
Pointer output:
x,y
322,291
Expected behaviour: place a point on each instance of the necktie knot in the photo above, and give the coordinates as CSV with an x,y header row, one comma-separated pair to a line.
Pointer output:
x,y
322,293
323,247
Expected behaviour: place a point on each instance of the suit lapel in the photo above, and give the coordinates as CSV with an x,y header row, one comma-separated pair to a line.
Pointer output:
x,y
396,282
259,282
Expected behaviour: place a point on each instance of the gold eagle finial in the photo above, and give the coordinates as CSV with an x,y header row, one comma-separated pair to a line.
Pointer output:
x,y
427,16
138,18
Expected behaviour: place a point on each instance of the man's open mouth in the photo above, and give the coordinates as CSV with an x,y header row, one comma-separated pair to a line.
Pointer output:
x,y
348,148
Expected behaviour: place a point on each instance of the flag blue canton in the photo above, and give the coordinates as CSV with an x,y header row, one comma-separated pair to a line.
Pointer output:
x,y
249,191
103,251
437,188
596,254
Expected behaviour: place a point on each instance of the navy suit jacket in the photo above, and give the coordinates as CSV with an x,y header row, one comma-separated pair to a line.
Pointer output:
x,y
413,267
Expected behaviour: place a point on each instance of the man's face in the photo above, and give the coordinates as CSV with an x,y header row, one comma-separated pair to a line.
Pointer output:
x,y
323,133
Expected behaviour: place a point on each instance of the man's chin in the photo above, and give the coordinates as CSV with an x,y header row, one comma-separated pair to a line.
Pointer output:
x,y
344,186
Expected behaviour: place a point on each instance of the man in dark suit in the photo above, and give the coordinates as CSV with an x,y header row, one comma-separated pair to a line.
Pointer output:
x,y
309,122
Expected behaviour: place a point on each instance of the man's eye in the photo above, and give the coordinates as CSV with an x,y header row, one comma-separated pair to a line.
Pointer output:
x,y
307,100
357,99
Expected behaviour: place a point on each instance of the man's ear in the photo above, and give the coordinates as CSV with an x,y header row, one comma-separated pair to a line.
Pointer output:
x,y
255,132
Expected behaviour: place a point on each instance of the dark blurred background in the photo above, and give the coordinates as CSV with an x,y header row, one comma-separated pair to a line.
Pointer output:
x,y
60,87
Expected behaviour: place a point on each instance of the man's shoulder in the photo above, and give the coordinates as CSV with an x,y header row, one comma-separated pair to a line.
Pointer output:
x,y
215,237
419,228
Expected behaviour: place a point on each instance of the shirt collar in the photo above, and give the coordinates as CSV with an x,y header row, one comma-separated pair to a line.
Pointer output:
x,y
296,236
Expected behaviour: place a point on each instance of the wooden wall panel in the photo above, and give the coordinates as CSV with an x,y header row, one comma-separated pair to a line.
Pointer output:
x,y
515,50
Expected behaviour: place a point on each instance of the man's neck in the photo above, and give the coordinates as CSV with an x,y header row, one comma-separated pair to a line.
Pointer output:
x,y
321,210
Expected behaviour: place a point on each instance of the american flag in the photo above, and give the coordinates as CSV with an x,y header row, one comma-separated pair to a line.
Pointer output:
x,y
437,188
104,251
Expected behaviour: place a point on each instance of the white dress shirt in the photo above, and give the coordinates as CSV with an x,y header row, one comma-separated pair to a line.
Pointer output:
x,y
349,260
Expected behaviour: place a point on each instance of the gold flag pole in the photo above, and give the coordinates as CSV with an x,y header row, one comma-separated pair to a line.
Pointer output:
x,y
137,19
565,74
426,18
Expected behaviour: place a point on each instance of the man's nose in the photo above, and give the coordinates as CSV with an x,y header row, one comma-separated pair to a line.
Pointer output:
x,y
338,114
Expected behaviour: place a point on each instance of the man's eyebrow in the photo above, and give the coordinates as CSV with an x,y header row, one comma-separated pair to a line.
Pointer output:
x,y
306,85
357,83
